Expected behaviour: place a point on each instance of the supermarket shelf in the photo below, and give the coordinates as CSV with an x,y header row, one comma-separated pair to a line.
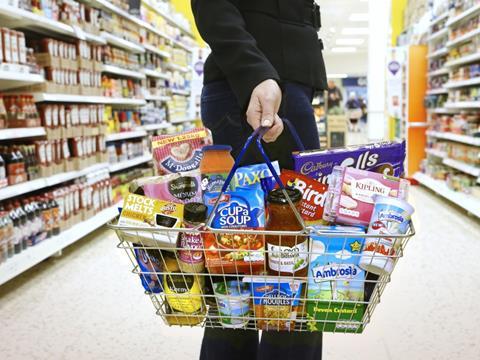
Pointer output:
x,y
463,105
122,43
180,92
438,35
435,152
466,202
95,38
157,51
130,163
463,60
153,127
441,111
178,67
440,52
463,83
157,97
126,135
463,38
438,72
166,16
463,167
181,120
29,186
467,14
465,139
111,69
156,74
181,45
11,80
46,97
439,18
20,133
437,91
35,254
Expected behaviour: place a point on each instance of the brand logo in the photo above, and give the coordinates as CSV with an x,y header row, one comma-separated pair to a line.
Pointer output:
x,y
334,272
349,212
276,298
173,165
394,67
235,214
184,188
391,216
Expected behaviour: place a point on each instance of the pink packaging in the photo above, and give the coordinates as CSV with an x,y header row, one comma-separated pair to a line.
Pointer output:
x,y
350,196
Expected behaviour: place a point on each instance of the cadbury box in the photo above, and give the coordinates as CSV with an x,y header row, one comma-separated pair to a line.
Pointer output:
x,y
385,157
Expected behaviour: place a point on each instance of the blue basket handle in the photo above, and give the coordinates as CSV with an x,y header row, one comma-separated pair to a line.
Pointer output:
x,y
258,135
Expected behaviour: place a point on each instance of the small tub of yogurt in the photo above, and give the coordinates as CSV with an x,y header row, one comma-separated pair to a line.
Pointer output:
x,y
391,216
233,300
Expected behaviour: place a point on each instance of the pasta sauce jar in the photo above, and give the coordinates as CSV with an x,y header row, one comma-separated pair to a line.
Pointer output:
x,y
287,255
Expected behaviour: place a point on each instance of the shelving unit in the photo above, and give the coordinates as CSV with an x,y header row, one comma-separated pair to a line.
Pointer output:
x,y
20,133
111,69
125,135
10,80
464,139
130,163
149,97
156,74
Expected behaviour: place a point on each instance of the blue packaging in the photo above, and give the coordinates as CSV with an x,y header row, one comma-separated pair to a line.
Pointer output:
x,y
252,175
150,266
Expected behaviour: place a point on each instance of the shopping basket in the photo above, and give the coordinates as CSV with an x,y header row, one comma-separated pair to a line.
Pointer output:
x,y
343,300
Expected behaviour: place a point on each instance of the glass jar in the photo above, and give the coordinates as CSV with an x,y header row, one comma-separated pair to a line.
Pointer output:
x,y
287,255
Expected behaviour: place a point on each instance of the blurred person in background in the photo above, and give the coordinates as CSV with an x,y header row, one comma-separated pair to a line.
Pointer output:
x,y
335,97
354,111
363,106
266,63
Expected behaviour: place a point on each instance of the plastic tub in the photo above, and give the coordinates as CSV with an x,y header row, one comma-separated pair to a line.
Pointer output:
x,y
233,301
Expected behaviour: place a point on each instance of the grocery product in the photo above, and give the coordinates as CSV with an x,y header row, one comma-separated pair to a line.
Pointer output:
x,y
233,302
275,301
335,281
190,244
215,165
151,265
183,292
251,175
141,211
313,199
385,157
181,187
350,196
390,216
241,209
286,254
180,152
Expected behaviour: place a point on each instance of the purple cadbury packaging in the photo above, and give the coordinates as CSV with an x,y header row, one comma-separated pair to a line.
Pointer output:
x,y
384,157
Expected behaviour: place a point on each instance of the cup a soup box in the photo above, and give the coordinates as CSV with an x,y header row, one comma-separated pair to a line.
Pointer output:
x,y
335,281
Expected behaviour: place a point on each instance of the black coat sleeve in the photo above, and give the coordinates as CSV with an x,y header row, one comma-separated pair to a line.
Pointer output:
x,y
234,50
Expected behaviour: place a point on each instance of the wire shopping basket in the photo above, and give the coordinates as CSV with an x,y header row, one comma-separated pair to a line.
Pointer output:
x,y
236,289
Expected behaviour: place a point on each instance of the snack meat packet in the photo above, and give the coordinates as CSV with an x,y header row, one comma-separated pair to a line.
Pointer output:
x,y
180,152
251,175
386,158
242,209
311,206
351,195
275,301
182,188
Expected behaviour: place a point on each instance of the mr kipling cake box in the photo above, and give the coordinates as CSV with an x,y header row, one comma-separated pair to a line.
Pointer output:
x,y
334,277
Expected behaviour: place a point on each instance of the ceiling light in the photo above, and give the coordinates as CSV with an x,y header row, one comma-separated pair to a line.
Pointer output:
x,y
349,41
359,17
355,31
344,49
337,76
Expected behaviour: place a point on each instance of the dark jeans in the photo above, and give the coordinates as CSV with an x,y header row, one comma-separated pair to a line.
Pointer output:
x,y
222,115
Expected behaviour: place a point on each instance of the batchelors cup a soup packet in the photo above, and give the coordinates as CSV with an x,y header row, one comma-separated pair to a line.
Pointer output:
x,y
385,157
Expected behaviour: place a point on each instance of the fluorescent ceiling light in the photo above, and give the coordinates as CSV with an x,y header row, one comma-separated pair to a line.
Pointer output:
x,y
350,41
359,17
355,31
344,49
337,76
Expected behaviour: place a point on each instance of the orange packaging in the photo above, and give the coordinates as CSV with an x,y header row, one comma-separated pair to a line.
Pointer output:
x,y
215,165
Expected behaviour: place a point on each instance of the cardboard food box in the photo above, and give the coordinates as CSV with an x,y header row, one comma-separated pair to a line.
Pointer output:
x,y
335,281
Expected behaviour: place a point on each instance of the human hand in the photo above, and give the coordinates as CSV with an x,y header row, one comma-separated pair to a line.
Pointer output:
x,y
263,108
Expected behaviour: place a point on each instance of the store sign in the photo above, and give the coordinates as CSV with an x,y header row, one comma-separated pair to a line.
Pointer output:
x,y
396,58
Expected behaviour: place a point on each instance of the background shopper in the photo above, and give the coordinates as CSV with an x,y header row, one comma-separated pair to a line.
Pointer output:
x,y
255,77
354,111
335,97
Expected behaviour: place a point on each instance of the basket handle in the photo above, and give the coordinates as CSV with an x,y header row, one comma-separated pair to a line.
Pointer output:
x,y
258,135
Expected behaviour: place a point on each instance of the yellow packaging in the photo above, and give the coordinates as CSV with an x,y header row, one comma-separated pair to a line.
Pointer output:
x,y
183,293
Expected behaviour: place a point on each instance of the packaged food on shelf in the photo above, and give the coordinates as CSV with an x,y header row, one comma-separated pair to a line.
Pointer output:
x,y
386,158
120,58
390,216
121,88
350,196
119,120
335,296
120,151
215,165
20,111
275,302
242,209
179,152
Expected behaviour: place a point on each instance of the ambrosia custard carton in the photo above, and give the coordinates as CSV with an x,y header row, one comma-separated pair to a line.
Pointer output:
x,y
335,281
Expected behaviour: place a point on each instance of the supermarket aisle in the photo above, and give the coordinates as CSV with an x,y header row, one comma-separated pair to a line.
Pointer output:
x,y
86,304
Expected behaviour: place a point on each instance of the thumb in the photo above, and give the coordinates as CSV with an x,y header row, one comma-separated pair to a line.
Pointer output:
x,y
268,115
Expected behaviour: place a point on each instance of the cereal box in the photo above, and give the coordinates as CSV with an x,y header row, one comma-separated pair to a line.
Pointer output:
x,y
334,277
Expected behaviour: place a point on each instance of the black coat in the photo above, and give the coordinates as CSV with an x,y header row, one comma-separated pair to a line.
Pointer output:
x,y
255,40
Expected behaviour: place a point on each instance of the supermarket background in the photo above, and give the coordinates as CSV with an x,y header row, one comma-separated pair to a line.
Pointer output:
x,y
85,83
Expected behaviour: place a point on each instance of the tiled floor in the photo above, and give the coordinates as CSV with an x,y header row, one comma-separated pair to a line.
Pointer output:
x,y
87,305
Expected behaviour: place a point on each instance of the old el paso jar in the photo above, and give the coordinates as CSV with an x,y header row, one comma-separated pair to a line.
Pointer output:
x,y
287,255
